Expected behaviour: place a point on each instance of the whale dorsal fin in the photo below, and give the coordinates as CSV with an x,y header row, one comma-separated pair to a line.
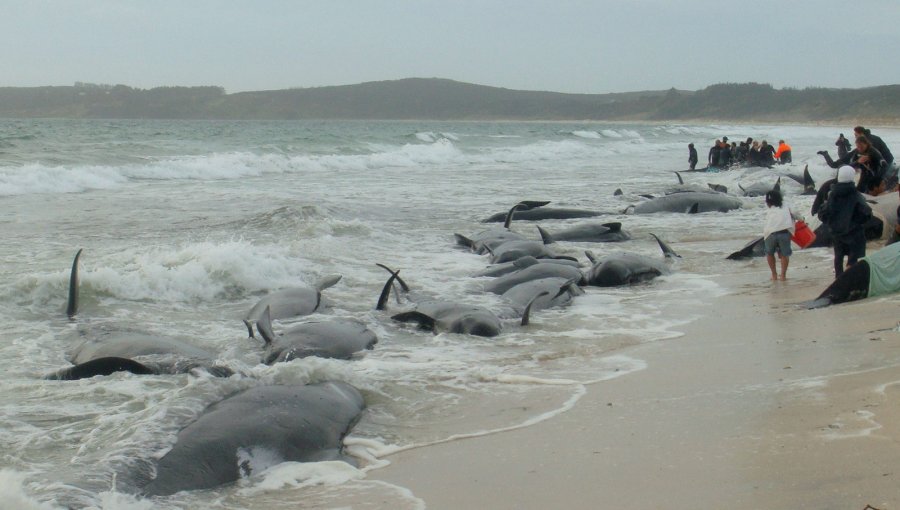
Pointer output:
x,y
465,241
72,306
264,326
613,227
666,249
565,287
526,315
249,328
777,186
680,180
808,182
545,236
424,321
694,209
618,192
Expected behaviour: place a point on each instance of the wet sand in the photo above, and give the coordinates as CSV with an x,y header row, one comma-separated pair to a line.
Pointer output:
x,y
760,405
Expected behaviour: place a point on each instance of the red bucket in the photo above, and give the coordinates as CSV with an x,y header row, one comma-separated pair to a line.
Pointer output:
x,y
803,235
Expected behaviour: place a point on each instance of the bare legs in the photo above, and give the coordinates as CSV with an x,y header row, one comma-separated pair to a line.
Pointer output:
x,y
784,266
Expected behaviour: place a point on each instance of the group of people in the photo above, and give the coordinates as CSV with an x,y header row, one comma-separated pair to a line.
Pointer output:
x,y
871,158
839,203
746,153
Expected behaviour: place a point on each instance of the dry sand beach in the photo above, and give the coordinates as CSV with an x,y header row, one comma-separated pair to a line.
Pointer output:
x,y
760,405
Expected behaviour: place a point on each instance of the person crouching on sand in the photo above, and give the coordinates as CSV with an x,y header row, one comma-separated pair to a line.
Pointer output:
x,y
777,233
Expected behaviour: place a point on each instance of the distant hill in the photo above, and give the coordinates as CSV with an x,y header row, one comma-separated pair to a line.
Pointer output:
x,y
440,99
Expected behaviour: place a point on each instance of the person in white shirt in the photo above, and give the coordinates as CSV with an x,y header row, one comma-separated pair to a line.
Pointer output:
x,y
777,233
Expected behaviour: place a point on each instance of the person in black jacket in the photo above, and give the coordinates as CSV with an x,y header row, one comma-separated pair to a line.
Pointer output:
x,y
845,212
766,154
692,156
876,142
890,170
864,158
843,146
714,154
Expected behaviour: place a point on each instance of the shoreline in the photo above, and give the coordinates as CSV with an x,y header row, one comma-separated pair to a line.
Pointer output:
x,y
777,407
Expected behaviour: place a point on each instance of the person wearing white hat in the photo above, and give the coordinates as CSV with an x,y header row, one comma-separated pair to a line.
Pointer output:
x,y
845,212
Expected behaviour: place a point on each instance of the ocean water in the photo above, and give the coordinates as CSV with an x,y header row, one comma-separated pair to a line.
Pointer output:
x,y
185,225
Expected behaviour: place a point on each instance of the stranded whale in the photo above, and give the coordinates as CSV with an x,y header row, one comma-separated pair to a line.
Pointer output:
x,y
335,338
291,302
588,233
627,268
105,351
256,428
535,211
688,202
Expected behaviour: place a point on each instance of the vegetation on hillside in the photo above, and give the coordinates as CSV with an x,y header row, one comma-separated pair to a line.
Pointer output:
x,y
440,99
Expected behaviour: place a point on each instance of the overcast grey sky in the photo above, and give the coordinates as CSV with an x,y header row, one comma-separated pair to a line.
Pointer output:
x,y
568,46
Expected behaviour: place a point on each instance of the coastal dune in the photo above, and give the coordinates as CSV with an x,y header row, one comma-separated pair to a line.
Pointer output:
x,y
776,407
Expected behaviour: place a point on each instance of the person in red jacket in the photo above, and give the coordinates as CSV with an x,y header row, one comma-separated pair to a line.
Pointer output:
x,y
783,154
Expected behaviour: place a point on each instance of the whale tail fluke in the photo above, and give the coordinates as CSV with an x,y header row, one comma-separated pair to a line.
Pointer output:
x,y
746,251
386,290
524,205
249,327
327,281
403,284
72,306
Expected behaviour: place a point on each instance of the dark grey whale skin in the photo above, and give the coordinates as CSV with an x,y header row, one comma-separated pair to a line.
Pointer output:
x,y
292,423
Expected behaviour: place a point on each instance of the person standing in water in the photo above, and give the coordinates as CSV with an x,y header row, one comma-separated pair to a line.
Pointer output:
x,y
843,146
692,156
783,154
777,233
846,212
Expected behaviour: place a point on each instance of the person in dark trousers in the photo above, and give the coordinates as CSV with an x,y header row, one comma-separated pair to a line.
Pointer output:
x,y
783,154
714,154
692,156
843,146
865,158
845,212
766,154
724,154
